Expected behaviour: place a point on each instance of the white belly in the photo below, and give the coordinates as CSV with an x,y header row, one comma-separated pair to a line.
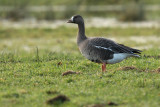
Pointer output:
x,y
118,58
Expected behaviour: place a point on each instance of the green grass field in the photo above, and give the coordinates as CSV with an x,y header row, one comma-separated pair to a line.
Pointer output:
x,y
32,62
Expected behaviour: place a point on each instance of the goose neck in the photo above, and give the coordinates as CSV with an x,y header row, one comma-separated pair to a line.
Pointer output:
x,y
81,28
81,32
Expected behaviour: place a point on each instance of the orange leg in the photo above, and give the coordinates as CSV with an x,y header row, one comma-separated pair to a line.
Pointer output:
x,y
104,67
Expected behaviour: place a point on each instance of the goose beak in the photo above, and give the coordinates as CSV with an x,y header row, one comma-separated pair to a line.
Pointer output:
x,y
69,21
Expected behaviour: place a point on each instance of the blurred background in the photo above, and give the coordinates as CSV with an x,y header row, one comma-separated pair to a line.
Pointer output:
x,y
49,10
138,20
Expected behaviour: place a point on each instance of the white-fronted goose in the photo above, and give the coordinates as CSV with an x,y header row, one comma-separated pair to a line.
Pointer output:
x,y
101,50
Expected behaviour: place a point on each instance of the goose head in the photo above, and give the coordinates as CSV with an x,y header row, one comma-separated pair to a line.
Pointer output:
x,y
77,19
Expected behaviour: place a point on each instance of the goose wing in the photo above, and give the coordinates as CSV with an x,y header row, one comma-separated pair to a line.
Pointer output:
x,y
110,46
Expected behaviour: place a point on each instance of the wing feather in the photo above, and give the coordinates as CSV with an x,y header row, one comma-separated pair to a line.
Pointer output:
x,y
109,45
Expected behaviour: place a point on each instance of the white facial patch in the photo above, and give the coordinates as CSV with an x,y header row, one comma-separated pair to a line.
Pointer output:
x,y
72,18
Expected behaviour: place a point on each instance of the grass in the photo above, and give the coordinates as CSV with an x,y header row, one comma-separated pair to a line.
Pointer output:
x,y
29,69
